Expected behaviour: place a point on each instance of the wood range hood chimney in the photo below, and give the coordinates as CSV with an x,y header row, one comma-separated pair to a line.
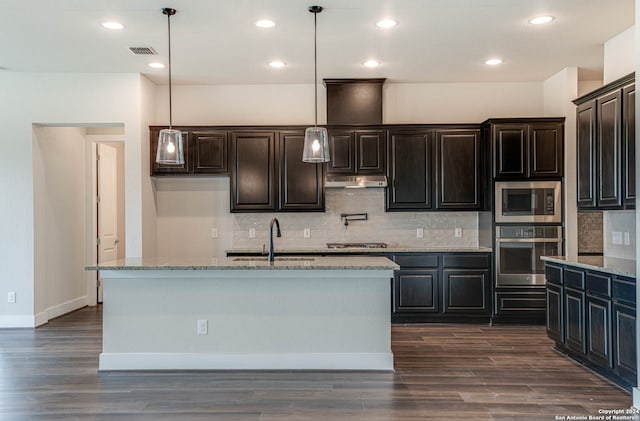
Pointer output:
x,y
354,101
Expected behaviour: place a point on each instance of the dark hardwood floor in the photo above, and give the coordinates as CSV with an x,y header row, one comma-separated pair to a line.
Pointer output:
x,y
443,372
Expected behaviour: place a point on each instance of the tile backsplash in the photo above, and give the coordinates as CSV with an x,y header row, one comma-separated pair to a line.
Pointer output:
x,y
590,232
394,228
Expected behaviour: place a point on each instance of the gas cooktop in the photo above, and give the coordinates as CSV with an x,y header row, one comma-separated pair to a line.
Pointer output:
x,y
356,245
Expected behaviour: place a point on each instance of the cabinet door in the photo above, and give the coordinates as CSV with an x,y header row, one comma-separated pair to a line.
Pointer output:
x,y
599,331
546,144
301,183
586,144
253,186
466,291
510,146
409,171
609,150
574,326
458,174
415,291
554,313
166,169
342,150
629,146
211,152
624,342
370,147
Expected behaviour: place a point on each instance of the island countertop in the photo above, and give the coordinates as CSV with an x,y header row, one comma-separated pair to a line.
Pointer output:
x,y
251,263
612,265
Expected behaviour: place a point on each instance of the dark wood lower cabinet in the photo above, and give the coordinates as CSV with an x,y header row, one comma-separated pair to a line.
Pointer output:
x,y
442,287
591,316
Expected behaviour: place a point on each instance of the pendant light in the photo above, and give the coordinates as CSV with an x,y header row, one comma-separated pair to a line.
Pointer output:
x,y
170,149
316,139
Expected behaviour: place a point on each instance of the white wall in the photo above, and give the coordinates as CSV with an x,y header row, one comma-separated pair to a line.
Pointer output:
x,y
402,103
142,168
59,229
619,58
69,99
559,90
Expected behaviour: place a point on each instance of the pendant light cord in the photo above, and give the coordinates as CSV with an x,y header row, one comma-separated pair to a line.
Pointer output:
x,y
169,32
315,65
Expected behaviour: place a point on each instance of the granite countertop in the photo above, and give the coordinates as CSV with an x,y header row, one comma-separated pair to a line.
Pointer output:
x,y
246,263
361,250
612,265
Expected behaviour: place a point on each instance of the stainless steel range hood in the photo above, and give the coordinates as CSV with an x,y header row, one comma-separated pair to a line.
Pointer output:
x,y
354,181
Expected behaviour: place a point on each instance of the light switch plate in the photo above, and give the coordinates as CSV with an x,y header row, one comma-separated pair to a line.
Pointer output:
x,y
616,237
420,233
252,233
457,232
11,297
307,233
627,239
214,232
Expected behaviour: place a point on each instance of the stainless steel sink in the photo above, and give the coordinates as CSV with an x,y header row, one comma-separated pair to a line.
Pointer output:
x,y
278,259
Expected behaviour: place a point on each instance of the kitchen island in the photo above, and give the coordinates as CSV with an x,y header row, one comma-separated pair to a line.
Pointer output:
x,y
320,313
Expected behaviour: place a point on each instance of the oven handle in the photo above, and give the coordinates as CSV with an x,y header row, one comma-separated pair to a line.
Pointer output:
x,y
529,240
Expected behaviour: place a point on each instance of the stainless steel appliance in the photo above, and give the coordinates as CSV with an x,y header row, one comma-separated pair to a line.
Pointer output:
x,y
528,201
518,251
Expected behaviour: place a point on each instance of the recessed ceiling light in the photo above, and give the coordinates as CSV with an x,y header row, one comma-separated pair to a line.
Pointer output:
x,y
371,63
156,65
493,61
277,64
265,23
386,23
540,20
112,25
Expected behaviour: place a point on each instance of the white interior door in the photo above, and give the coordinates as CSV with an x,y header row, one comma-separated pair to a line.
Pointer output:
x,y
107,203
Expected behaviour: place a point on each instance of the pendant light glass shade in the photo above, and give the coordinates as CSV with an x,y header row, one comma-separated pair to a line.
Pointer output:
x,y
170,150
316,139
170,147
316,145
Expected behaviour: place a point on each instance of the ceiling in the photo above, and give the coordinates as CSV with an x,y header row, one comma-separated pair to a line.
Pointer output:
x,y
216,41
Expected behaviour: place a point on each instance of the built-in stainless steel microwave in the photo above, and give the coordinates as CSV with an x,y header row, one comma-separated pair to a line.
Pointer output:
x,y
528,201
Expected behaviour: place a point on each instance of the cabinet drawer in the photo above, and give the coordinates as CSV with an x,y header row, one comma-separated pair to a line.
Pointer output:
x,y
574,278
553,274
599,283
416,260
624,290
472,261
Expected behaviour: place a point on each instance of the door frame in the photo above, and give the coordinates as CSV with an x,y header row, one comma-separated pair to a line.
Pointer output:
x,y
92,209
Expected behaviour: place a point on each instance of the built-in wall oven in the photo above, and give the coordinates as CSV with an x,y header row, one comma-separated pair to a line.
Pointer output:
x,y
518,251
529,202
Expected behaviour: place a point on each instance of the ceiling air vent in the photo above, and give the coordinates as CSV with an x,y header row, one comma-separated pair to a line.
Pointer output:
x,y
143,51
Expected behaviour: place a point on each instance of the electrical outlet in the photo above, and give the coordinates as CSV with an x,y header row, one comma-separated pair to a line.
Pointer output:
x,y
307,233
419,232
11,297
203,327
457,232
616,237
214,232
627,239
252,233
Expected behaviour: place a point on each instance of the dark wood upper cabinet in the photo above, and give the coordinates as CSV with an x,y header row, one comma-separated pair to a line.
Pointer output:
x,y
606,146
356,151
409,170
301,184
166,169
458,172
546,147
510,143
608,149
586,161
629,145
211,152
253,171
527,148
370,146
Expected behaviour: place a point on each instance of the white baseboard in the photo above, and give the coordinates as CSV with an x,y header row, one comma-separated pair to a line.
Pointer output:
x,y
305,361
16,322
60,309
